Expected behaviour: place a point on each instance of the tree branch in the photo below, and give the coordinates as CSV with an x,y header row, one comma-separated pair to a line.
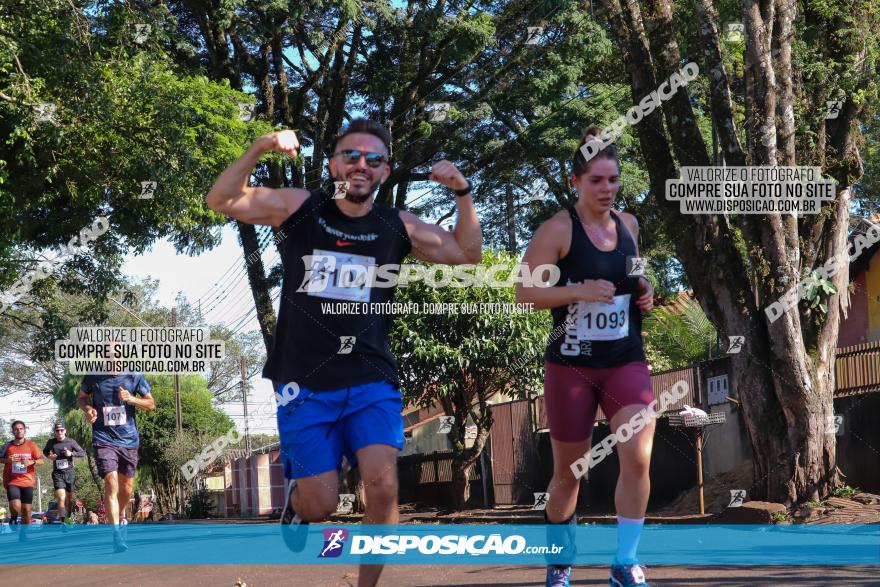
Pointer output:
x,y
719,84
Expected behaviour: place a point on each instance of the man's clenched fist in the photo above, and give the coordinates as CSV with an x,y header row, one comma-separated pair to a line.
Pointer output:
x,y
447,173
282,141
91,414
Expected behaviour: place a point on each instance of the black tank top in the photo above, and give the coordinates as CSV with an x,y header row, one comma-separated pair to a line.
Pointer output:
x,y
321,349
597,334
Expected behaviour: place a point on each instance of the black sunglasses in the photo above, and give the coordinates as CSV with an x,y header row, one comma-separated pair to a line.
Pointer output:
x,y
352,156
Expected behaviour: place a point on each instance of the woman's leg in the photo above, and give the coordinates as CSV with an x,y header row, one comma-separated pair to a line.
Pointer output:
x,y
633,483
626,399
570,398
564,485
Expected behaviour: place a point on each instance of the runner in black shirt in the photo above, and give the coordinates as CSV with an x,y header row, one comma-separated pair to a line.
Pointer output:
x,y
595,355
335,374
62,450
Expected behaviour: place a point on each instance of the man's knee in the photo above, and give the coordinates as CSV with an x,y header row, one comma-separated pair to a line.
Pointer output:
x,y
382,490
111,485
126,485
316,507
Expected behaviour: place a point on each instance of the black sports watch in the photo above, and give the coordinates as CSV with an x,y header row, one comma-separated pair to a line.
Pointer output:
x,y
464,191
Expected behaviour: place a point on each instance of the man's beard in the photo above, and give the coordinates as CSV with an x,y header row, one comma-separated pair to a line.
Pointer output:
x,y
361,198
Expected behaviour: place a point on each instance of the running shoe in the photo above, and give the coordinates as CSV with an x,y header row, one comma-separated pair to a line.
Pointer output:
x,y
627,575
561,534
119,544
558,576
294,529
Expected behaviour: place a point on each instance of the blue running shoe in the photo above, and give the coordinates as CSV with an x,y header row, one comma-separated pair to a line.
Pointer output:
x,y
119,544
558,576
561,534
293,528
627,575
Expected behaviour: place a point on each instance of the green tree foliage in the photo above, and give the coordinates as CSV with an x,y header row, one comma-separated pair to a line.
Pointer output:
x,y
87,115
162,452
459,360
681,333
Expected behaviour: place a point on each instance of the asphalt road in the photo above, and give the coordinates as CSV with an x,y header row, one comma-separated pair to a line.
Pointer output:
x,y
422,576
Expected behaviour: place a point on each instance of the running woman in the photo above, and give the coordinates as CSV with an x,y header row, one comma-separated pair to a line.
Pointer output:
x,y
109,402
599,358
19,456
61,451
334,372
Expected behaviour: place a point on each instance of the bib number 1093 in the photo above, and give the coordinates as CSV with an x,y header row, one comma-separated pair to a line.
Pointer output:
x,y
604,320
601,321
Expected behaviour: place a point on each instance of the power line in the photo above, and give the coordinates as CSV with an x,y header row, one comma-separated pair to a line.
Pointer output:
x,y
254,310
230,268
238,290
234,304
238,267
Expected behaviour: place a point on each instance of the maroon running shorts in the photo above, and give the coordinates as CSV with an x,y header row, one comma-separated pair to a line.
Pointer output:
x,y
571,395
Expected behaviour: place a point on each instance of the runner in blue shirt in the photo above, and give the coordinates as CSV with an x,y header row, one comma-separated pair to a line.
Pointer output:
x,y
109,402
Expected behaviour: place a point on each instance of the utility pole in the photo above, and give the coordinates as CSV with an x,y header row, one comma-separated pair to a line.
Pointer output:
x,y
176,385
247,435
177,414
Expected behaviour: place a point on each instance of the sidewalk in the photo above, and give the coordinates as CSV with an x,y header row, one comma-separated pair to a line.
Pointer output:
x,y
863,508
510,515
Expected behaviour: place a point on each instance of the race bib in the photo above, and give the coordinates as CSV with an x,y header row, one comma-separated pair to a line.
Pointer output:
x,y
62,464
19,467
114,415
601,321
339,276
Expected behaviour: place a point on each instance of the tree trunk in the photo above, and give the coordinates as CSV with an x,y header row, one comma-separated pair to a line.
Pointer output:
x,y
510,215
164,498
259,284
784,375
93,469
217,47
464,459
461,488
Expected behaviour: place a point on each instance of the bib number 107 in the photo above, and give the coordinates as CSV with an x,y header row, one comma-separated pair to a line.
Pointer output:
x,y
114,415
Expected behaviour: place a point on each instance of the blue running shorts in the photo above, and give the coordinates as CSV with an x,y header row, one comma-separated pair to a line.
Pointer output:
x,y
318,428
